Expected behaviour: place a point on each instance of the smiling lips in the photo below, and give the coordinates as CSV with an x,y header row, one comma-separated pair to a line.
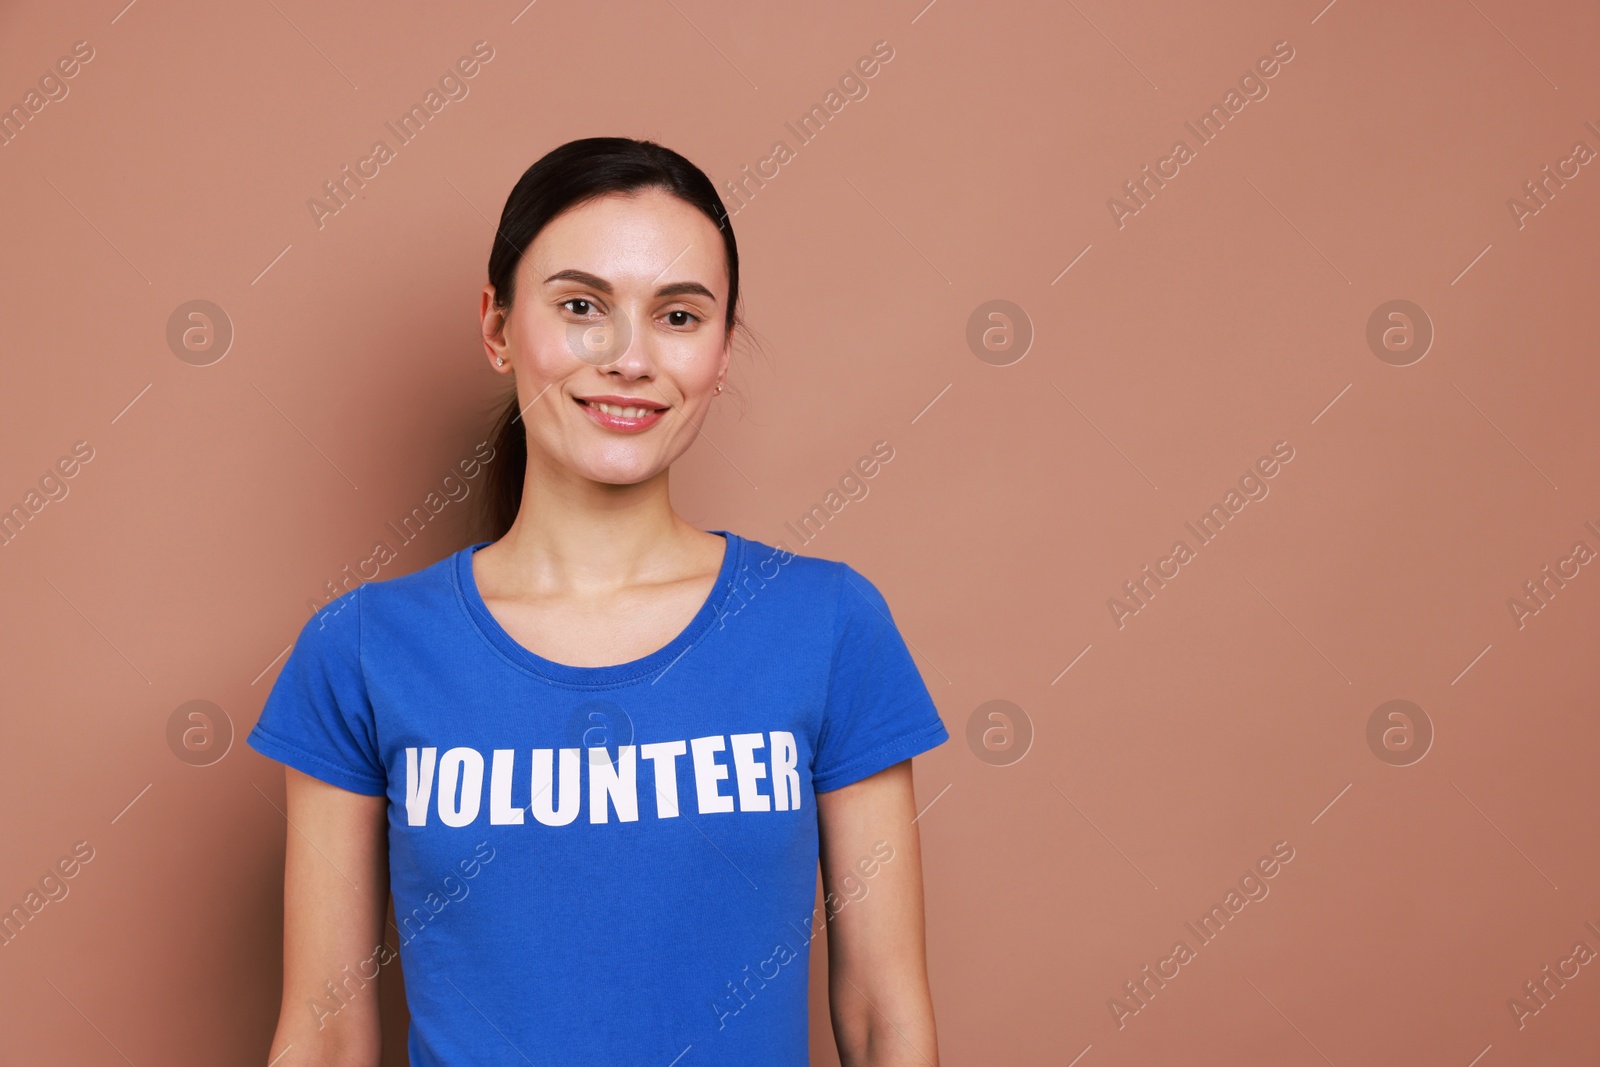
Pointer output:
x,y
624,414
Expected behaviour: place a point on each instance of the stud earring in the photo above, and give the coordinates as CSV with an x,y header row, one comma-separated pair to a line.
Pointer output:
x,y
500,361
719,387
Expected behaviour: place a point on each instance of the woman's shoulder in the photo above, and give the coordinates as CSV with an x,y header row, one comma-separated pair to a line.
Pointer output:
x,y
773,560
388,590
833,583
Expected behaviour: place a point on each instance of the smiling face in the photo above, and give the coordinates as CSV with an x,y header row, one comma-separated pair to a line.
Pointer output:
x,y
618,329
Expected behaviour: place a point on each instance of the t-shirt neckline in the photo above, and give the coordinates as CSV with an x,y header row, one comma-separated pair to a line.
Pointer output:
x,y
588,677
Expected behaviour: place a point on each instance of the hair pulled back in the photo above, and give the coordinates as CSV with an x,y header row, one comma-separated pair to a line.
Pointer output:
x,y
565,178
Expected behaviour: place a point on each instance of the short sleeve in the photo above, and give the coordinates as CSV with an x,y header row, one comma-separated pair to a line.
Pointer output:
x,y
317,717
878,710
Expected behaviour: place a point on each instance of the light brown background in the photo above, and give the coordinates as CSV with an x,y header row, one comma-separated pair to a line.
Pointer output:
x,y
1226,316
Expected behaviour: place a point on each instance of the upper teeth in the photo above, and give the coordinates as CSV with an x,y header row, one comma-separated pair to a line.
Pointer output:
x,y
627,413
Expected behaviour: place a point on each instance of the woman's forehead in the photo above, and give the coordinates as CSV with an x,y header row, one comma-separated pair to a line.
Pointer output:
x,y
639,240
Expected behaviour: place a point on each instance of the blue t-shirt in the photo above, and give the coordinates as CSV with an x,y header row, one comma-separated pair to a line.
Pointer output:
x,y
604,865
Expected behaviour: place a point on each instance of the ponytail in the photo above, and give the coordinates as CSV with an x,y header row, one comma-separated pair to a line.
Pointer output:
x,y
502,486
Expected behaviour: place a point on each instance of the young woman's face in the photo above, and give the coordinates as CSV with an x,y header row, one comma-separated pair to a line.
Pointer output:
x,y
617,328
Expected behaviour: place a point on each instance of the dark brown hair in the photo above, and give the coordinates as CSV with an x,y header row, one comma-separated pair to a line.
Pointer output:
x,y
566,177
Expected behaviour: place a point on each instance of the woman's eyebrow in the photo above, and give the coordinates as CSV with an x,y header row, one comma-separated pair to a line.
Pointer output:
x,y
583,277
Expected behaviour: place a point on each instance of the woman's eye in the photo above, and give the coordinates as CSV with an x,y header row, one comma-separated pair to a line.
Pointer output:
x,y
584,310
687,317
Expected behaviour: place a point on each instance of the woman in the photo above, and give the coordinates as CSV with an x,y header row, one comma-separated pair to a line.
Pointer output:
x,y
598,757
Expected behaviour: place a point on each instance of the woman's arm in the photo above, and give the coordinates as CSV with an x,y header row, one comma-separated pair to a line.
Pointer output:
x,y
877,963
335,896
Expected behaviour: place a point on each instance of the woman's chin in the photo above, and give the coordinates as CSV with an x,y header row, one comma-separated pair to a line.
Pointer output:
x,y
619,473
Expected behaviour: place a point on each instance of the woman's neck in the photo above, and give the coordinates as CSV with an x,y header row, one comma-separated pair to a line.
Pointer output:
x,y
572,534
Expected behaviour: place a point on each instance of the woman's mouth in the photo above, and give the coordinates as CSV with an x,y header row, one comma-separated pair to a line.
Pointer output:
x,y
622,414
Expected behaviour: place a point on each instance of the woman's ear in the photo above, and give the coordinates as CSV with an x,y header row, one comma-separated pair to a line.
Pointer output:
x,y
494,331
727,354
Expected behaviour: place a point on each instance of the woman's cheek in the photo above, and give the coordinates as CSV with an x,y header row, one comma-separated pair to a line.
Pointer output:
x,y
546,350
